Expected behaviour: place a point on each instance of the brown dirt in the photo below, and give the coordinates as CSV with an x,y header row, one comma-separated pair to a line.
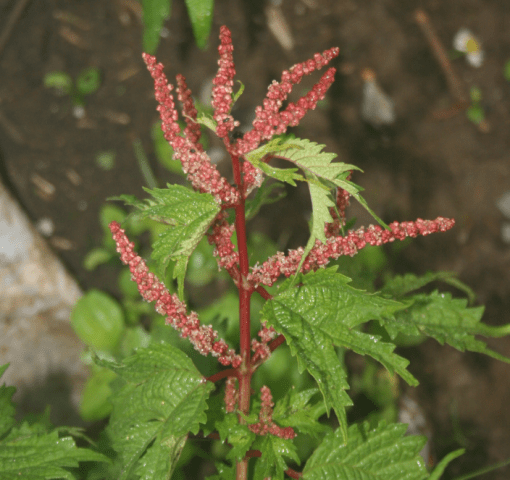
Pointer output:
x,y
418,167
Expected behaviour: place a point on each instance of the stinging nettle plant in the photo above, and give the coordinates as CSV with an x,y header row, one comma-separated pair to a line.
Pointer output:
x,y
160,399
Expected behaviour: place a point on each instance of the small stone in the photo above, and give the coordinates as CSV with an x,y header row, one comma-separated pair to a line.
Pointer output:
x,y
505,232
45,226
377,108
503,205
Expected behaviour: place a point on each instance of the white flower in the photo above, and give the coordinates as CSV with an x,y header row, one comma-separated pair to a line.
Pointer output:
x,y
465,41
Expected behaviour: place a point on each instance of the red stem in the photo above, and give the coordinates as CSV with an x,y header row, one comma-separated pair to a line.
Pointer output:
x,y
245,291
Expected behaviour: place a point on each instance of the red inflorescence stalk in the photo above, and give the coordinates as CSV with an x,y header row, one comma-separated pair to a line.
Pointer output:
x,y
322,253
203,337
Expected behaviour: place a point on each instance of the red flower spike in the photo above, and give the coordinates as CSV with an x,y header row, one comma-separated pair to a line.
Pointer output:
x,y
192,131
231,395
269,120
202,174
261,349
202,337
322,253
223,87
266,424
224,249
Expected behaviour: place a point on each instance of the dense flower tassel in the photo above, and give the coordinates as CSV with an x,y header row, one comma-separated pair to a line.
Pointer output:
x,y
269,121
338,214
203,337
261,349
322,253
231,394
268,118
202,174
266,424
192,131
223,87
221,238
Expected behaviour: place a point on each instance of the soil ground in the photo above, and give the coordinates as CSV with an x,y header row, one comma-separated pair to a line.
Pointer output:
x,y
420,166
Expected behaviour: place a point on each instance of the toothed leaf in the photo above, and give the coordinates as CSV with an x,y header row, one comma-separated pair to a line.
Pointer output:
x,y
164,398
383,452
189,215
446,319
323,312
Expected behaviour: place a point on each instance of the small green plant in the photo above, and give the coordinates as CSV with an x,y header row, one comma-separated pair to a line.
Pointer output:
x,y
106,160
475,111
506,71
87,82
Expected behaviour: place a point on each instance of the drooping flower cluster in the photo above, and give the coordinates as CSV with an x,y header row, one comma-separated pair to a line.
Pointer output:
x,y
202,337
336,246
265,424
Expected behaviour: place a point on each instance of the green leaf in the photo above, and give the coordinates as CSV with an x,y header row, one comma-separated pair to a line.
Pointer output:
x,y
382,453
240,437
31,454
7,409
224,311
96,257
202,267
224,472
206,120
263,197
475,114
163,399
61,81
296,410
164,151
239,92
441,466
274,147
320,173
189,213
107,214
98,320
324,311
401,285
88,81
155,12
201,14
506,70
271,463
106,160
446,319
95,398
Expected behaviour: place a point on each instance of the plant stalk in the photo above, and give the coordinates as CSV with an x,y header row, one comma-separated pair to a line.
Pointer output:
x,y
245,292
